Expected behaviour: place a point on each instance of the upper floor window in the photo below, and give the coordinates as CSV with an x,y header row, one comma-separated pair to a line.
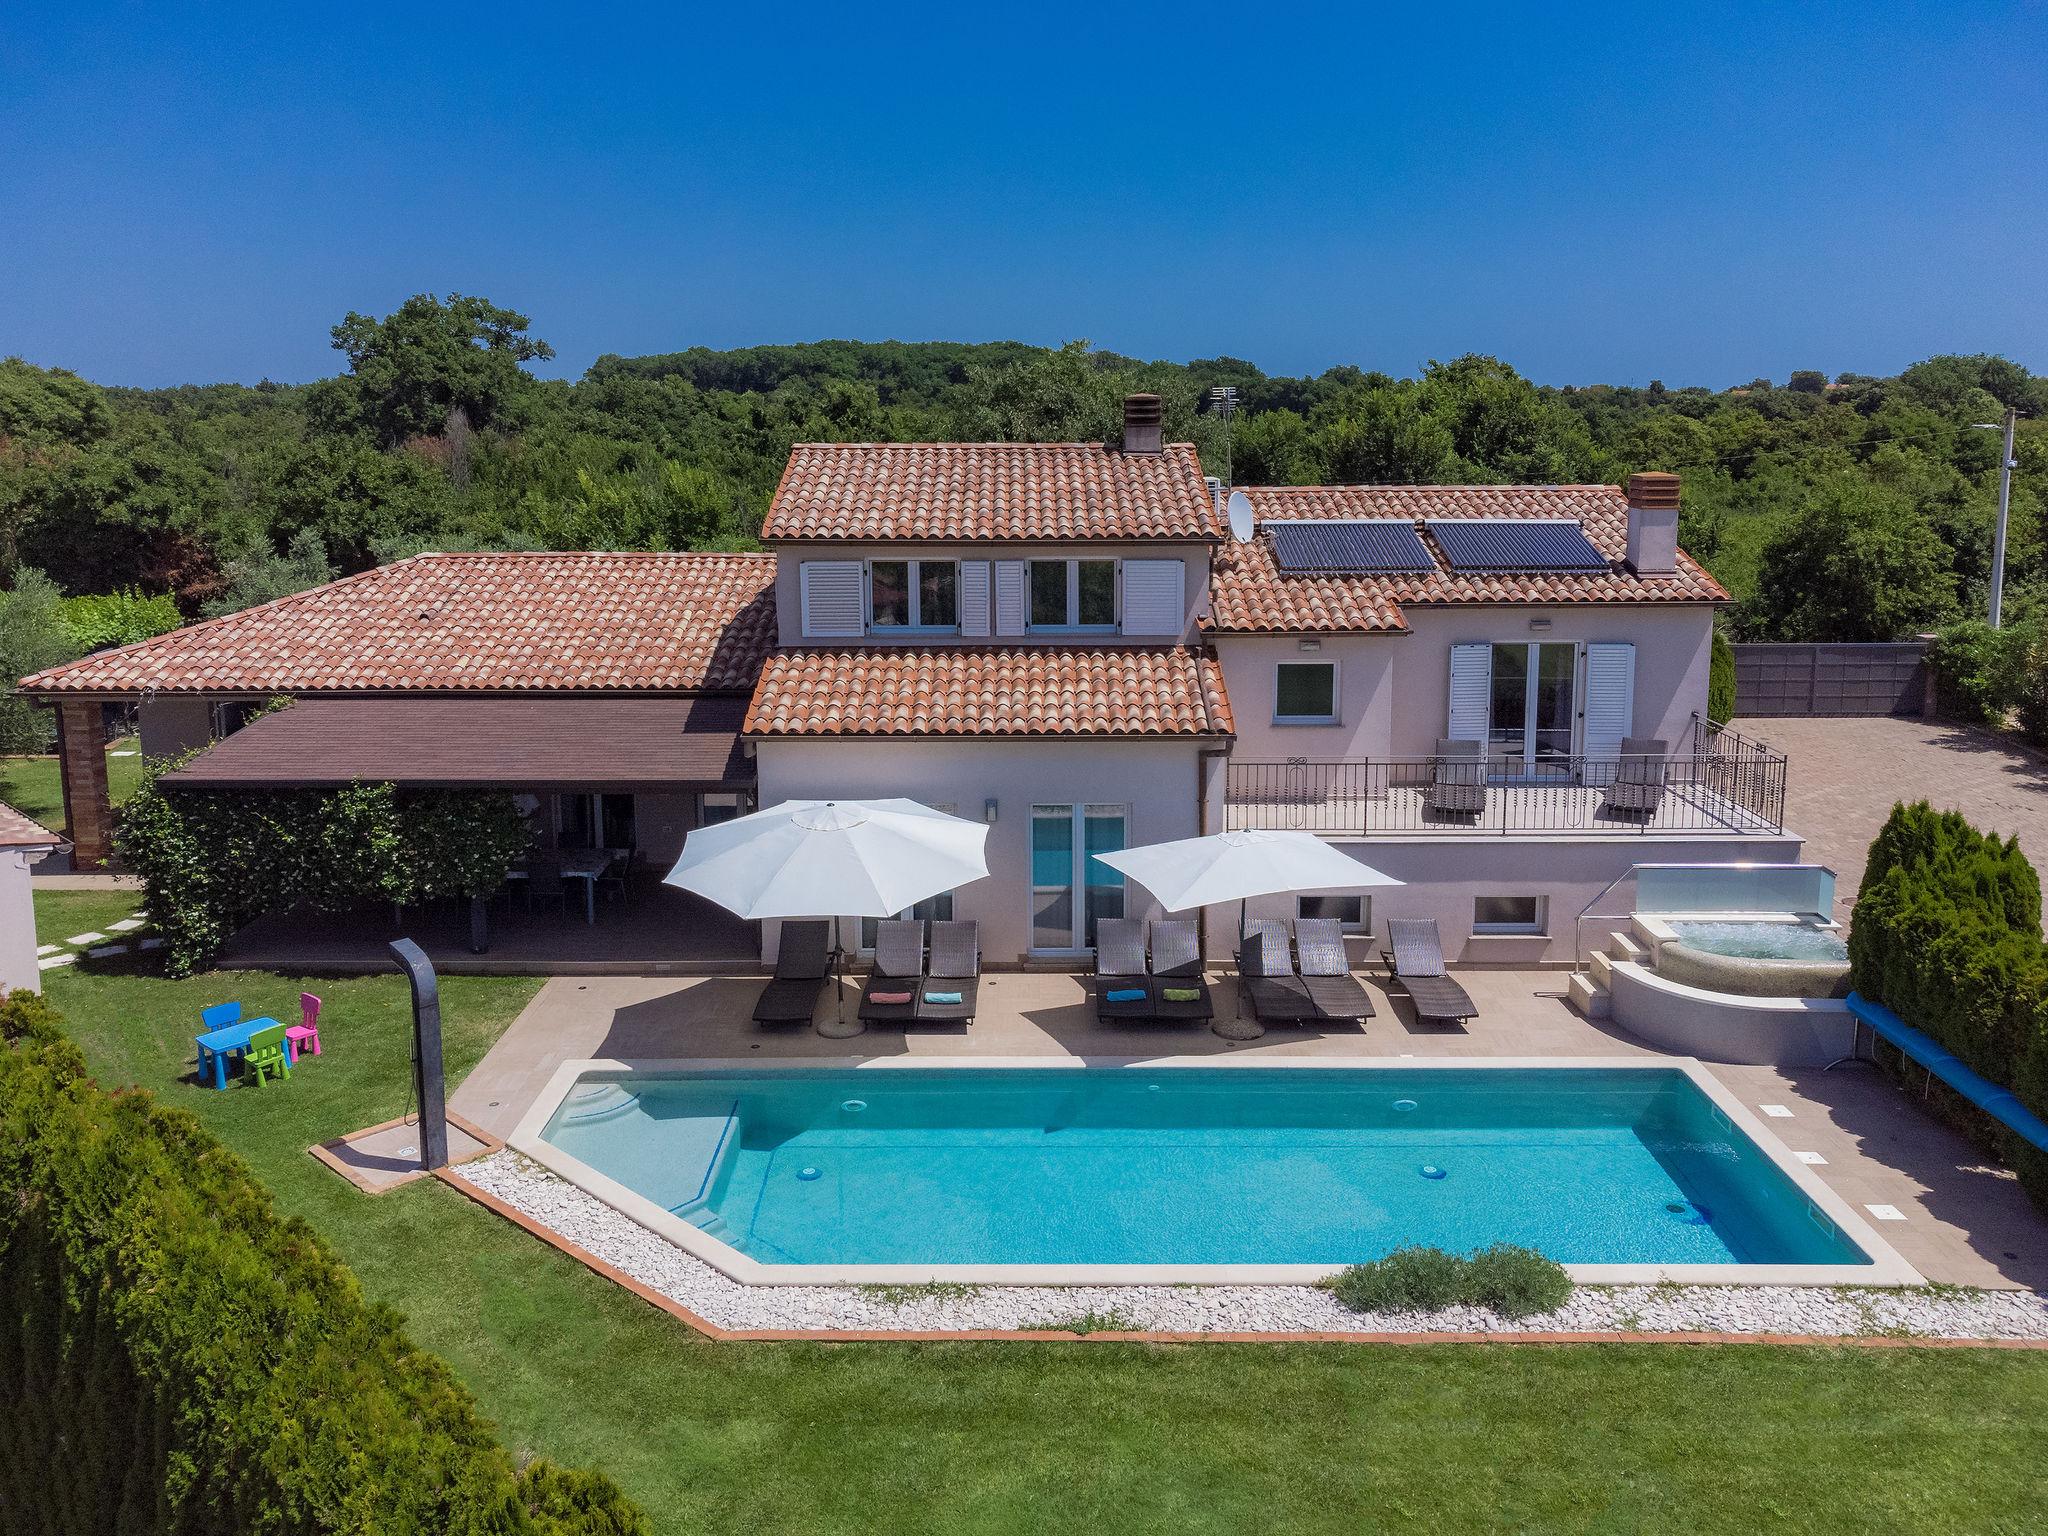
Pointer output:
x,y
1073,594
914,594
1305,693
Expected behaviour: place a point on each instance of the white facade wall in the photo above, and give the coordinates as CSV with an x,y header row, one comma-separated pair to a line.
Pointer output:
x,y
18,970
1158,781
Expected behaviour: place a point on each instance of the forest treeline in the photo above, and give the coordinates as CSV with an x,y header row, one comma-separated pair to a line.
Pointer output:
x,y
1841,508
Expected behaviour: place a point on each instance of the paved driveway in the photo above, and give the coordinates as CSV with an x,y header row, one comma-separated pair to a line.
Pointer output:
x,y
1846,775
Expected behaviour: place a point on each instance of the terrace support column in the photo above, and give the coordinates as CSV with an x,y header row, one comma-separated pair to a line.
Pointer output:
x,y
82,766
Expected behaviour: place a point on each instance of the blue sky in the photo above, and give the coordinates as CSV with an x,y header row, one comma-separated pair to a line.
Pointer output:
x,y
1697,194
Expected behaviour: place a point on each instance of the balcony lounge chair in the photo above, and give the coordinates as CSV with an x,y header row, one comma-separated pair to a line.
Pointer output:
x,y
804,960
890,995
1177,967
1457,781
1266,977
1415,965
1326,970
1638,787
1120,968
955,970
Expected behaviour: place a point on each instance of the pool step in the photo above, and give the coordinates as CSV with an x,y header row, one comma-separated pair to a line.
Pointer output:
x,y
1599,967
1588,996
1626,946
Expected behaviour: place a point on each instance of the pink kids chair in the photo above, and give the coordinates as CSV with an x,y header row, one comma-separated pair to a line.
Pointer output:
x,y
305,1034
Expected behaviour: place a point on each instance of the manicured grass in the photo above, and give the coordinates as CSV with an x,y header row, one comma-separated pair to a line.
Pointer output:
x,y
32,787
967,1438
60,914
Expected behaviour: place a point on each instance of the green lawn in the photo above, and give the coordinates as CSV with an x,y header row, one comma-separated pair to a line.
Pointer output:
x,y
60,914
966,1438
31,785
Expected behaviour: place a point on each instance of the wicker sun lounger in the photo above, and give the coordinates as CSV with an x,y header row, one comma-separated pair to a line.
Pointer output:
x,y
1177,967
1120,967
1457,782
955,966
1415,965
804,960
1266,977
898,969
1326,970
1638,787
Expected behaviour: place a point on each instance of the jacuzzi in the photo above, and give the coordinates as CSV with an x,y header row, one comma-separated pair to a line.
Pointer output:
x,y
1772,954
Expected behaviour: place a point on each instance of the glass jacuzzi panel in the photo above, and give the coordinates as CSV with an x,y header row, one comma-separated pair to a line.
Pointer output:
x,y
1736,888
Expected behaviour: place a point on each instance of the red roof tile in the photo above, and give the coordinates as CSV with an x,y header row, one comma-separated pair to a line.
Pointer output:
x,y
17,831
1250,595
991,691
482,623
993,491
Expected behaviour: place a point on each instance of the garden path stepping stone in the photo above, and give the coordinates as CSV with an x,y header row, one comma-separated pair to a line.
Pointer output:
x,y
86,938
51,962
105,950
48,949
151,944
127,924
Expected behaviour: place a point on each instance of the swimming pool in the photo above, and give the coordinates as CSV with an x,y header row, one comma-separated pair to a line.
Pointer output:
x,y
1189,1171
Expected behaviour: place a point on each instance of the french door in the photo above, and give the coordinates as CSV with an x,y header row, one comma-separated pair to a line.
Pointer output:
x,y
1533,709
1072,889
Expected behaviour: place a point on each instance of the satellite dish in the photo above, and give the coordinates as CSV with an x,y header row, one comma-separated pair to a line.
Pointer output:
x,y
1241,522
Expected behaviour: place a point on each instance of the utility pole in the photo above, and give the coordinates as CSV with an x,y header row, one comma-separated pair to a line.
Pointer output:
x,y
2005,468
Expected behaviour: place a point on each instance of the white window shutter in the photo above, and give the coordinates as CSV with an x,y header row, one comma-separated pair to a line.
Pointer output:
x,y
831,599
974,599
1610,698
1010,609
1471,692
1155,597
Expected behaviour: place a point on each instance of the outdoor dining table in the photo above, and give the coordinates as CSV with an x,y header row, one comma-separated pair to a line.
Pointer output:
x,y
217,1045
586,864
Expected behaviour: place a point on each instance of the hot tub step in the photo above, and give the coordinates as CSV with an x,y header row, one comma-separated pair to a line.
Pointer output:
x,y
1626,946
1588,996
1599,968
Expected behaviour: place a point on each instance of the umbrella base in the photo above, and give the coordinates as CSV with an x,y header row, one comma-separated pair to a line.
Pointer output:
x,y
835,1027
1238,1029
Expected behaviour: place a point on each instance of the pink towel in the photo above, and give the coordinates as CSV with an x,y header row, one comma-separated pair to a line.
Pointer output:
x,y
887,998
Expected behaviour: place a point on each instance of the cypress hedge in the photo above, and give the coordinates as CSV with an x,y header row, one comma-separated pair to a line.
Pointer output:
x,y
1948,936
178,1357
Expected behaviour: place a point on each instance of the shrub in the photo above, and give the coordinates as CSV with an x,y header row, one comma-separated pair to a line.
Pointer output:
x,y
1515,1282
118,618
211,860
1948,936
32,636
180,1357
1981,673
1721,680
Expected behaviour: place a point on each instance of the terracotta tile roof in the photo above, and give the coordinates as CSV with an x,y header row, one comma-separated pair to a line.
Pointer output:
x,y
483,623
1052,690
1250,595
17,831
995,491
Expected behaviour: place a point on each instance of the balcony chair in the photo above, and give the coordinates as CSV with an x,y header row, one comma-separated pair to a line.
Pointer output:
x,y
1177,972
954,971
1457,781
1123,990
890,993
1415,966
805,960
1326,970
1638,787
1267,982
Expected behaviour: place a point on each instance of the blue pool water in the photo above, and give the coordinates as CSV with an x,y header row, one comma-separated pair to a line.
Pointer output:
x,y
1758,940
1197,1165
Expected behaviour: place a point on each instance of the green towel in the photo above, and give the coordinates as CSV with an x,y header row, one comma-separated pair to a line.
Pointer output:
x,y
1182,994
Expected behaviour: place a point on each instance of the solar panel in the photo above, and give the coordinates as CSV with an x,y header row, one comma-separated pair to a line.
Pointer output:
x,y
1363,546
1516,544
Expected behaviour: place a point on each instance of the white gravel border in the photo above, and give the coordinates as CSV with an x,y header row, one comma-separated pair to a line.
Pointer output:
x,y
655,1262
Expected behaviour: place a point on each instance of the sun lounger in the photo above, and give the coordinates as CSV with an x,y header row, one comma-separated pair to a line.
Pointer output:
x,y
954,972
1638,787
890,993
1177,969
1326,970
804,961
1266,978
1415,965
1457,782
1120,970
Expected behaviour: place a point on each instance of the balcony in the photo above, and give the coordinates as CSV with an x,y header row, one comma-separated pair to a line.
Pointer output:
x,y
1725,784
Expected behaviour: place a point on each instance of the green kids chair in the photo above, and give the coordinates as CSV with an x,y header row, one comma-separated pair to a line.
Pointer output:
x,y
266,1054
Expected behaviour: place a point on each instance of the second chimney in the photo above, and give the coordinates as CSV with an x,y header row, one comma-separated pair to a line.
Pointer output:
x,y
1653,523
1144,417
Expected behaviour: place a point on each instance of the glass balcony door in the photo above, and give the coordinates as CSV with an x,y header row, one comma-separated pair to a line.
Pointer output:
x,y
1534,709
1065,840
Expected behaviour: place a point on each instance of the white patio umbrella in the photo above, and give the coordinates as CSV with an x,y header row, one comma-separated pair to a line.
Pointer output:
x,y
831,858
1234,866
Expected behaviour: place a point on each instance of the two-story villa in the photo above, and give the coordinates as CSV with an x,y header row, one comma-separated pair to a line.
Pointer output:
x,y
1089,647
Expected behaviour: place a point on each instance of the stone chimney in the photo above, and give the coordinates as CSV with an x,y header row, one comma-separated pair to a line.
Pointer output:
x,y
1144,417
1653,523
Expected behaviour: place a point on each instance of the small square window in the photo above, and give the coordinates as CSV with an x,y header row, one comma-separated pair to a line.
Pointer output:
x,y
1354,912
1508,914
1305,693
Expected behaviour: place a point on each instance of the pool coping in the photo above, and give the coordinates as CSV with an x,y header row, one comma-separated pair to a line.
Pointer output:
x,y
1886,1268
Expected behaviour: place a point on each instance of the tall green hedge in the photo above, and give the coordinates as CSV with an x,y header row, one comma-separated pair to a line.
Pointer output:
x,y
213,859
177,1357
1948,936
